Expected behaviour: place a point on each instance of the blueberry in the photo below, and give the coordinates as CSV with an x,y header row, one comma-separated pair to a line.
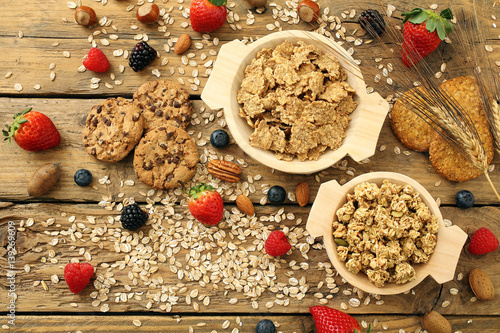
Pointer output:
x,y
83,177
219,138
265,326
464,199
276,195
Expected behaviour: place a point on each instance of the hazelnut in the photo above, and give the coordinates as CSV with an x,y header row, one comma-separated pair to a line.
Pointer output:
x,y
148,13
308,11
85,16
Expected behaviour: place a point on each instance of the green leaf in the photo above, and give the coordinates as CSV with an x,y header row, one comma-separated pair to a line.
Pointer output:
x,y
419,18
441,30
218,2
448,27
431,25
446,13
414,12
22,121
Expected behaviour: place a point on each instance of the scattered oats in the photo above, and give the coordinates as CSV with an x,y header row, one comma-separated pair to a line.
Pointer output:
x,y
383,147
5,327
445,304
72,5
433,6
9,74
397,150
81,69
226,324
55,279
137,322
472,299
44,285
66,54
437,183
453,291
118,53
438,202
488,48
52,76
18,87
438,75
491,168
52,66
460,276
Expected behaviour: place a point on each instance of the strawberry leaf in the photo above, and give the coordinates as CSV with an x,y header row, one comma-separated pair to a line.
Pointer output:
x,y
218,2
414,12
441,31
446,13
448,27
419,18
431,25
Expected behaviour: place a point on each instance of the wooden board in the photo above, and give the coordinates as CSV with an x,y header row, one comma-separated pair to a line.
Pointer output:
x,y
182,323
69,116
35,242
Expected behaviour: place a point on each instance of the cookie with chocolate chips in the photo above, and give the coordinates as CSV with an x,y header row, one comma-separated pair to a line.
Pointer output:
x,y
165,158
163,103
112,129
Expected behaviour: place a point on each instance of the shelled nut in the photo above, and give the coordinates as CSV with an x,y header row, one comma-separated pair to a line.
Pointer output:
x,y
225,170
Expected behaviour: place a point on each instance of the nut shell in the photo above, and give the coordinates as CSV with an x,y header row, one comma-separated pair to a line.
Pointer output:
x,y
85,16
44,179
481,285
245,205
308,11
433,322
302,194
148,13
225,170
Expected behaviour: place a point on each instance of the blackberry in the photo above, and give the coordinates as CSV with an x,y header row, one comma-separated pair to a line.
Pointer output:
x,y
133,217
141,56
372,21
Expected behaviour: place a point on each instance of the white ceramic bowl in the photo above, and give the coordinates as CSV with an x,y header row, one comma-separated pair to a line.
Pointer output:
x,y
442,263
228,73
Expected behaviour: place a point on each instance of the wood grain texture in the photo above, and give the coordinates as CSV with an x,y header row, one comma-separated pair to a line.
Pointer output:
x,y
199,324
69,115
35,242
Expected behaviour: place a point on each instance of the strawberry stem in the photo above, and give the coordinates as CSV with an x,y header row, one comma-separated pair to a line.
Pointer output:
x,y
195,191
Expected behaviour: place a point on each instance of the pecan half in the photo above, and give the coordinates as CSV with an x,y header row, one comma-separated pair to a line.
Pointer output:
x,y
225,170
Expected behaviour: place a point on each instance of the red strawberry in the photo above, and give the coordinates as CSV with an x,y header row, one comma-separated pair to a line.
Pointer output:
x,y
96,61
78,276
483,241
328,320
33,131
277,244
207,15
422,32
205,204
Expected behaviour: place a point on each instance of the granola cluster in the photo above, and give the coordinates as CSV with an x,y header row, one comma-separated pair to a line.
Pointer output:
x,y
383,231
297,100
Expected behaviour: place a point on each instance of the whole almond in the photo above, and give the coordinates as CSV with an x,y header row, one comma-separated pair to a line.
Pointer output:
x,y
183,43
481,285
433,322
302,194
245,205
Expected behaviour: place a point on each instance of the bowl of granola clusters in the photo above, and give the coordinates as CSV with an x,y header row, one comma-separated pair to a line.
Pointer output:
x,y
295,101
384,233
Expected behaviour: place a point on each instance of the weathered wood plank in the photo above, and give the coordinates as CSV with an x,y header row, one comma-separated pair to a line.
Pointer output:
x,y
34,245
289,324
18,165
29,58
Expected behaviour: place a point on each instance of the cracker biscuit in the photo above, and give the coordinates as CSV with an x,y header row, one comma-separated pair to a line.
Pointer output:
x,y
163,103
409,128
165,158
113,128
445,159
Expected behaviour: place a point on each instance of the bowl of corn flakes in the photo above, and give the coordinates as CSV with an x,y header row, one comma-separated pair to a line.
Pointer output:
x,y
295,101
384,233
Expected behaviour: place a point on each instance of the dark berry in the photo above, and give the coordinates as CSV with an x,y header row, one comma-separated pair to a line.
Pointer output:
x,y
372,21
464,199
219,138
276,195
265,326
141,56
83,177
133,217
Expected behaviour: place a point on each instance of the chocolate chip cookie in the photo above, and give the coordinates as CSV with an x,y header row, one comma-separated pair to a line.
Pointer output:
x,y
163,103
165,158
113,128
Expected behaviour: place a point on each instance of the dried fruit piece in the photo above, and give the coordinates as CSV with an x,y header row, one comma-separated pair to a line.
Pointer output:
x,y
85,16
308,11
183,43
302,194
245,205
225,170
341,242
148,13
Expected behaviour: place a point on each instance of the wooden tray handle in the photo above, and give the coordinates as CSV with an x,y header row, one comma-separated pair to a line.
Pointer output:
x,y
215,93
322,211
448,250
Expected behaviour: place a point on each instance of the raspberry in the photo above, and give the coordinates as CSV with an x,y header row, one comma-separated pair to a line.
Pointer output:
x,y
483,241
277,244
78,276
96,61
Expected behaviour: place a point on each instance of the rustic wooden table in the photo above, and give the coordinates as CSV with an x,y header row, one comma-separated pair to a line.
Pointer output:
x,y
159,279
